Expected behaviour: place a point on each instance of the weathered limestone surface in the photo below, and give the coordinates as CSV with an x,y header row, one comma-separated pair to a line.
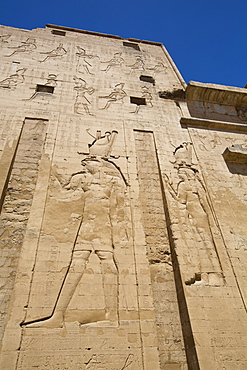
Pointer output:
x,y
123,198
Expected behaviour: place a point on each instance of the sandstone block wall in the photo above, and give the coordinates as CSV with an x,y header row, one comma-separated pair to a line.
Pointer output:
x,y
122,223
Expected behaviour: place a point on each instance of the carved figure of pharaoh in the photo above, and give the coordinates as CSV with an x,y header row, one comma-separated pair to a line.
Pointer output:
x,y
100,231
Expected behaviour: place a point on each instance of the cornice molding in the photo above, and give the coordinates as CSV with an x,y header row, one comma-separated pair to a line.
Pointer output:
x,y
216,94
221,125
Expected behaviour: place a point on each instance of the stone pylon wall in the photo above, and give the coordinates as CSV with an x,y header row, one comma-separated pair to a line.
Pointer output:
x,y
116,248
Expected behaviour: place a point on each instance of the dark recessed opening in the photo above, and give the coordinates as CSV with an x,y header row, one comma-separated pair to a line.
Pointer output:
x,y
137,101
149,79
131,45
44,88
58,33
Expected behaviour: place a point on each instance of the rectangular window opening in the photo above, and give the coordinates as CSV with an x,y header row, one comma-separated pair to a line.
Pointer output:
x,y
131,45
138,101
149,79
45,88
58,33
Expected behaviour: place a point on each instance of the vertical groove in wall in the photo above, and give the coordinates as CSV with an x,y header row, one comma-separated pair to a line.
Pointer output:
x,y
16,206
191,355
170,338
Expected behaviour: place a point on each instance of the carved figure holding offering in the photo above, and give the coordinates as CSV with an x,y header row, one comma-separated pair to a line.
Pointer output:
x,y
116,61
83,64
116,95
138,65
81,101
58,52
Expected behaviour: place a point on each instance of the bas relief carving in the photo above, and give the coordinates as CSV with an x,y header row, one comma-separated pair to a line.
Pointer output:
x,y
55,53
115,61
159,66
146,94
196,220
117,95
82,102
26,46
13,80
100,229
84,64
139,65
51,81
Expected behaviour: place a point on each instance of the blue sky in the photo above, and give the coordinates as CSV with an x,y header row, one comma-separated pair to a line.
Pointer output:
x,y
206,39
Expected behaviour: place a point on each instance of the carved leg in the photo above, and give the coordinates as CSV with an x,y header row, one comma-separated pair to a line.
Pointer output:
x,y
110,284
74,275
87,109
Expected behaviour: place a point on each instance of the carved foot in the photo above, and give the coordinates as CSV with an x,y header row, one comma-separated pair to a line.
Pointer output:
x,y
56,321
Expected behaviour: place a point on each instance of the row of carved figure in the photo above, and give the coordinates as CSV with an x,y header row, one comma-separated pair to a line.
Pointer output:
x,y
86,61
102,225
83,92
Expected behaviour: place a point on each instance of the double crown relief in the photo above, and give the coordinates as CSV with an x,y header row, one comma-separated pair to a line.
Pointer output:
x,y
99,230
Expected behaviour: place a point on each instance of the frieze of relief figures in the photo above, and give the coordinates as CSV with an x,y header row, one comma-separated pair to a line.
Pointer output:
x,y
187,188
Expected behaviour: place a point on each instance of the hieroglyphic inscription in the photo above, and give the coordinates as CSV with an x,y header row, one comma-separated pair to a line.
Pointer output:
x,y
86,361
